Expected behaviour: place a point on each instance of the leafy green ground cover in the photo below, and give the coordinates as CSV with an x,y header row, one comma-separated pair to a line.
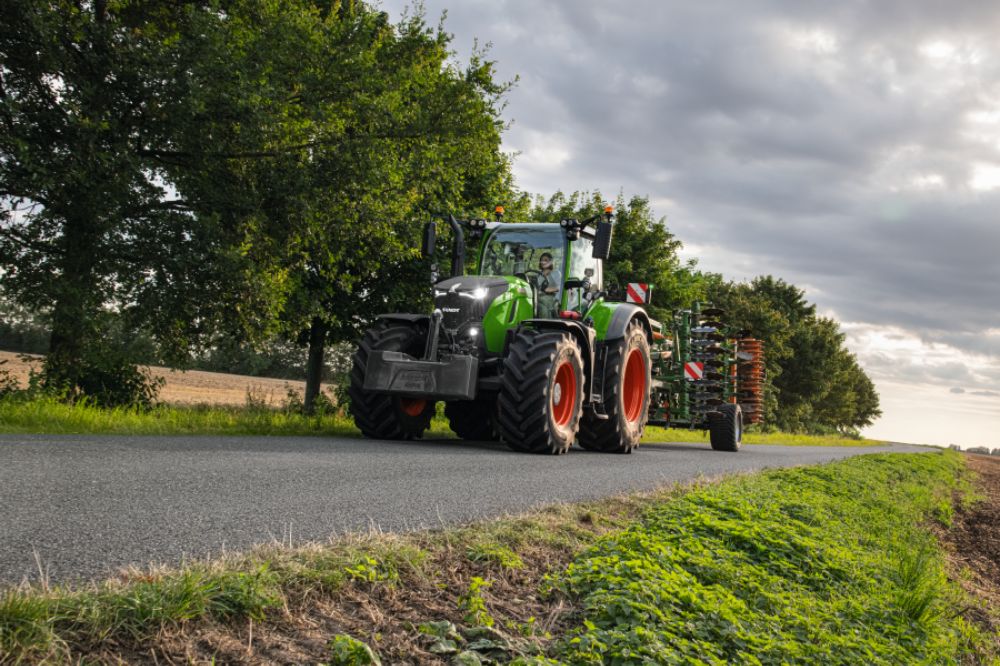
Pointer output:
x,y
829,564
826,564
45,415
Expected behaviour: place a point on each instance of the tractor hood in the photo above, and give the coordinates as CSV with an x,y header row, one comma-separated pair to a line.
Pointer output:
x,y
465,299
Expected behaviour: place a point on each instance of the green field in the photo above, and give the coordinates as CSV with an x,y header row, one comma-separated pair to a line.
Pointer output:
x,y
834,564
50,416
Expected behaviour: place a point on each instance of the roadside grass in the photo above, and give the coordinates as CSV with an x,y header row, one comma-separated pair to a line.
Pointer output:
x,y
831,564
148,609
655,434
826,564
46,415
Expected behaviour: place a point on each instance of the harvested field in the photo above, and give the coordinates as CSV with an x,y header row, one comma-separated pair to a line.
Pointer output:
x,y
974,544
190,387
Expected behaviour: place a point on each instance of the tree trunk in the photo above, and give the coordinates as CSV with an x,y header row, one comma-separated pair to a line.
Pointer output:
x,y
314,366
71,312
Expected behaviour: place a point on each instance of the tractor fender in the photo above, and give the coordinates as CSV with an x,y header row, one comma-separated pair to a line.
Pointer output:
x,y
584,336
623,316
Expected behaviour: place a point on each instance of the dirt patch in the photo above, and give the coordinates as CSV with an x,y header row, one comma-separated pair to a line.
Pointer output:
x,y
187,387
974,545
386,616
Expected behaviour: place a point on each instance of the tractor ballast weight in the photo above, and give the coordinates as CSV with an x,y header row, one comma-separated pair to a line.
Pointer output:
x,y
532,351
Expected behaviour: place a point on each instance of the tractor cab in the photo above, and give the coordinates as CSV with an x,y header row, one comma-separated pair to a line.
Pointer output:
x,y
557,265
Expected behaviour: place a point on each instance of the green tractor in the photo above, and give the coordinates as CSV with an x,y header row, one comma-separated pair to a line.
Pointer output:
x,y
530,351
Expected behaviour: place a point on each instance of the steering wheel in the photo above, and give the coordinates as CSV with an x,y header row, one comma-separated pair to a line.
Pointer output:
x,y
525,275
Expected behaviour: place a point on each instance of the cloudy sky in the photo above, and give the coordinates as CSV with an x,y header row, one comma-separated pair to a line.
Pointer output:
x,y
851,147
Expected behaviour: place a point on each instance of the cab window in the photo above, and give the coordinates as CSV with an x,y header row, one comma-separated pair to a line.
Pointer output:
x,y
582,265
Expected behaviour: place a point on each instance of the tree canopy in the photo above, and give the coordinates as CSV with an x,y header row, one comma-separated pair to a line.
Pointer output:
x,y
813,382
253,167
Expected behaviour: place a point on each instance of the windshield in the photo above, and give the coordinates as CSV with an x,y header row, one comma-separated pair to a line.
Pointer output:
x,y
535,254
513,251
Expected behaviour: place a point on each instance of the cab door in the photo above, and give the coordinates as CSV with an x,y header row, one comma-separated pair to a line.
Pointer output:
x,y
582,265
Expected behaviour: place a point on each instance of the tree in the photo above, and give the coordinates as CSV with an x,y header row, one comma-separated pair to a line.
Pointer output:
x,y
238,169
91,222
68,169
392,130
813,382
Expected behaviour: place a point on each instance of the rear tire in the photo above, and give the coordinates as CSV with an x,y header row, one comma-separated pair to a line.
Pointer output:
x,y
726,428
541,395
626,397
382,416
473,420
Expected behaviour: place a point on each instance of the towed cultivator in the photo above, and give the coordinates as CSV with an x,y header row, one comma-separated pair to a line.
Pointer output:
x,y
705,374
534,352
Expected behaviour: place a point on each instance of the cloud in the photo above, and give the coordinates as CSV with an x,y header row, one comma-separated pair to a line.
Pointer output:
x,y
957,389
853,148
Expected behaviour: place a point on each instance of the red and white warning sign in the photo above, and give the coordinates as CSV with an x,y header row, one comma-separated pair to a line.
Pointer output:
x,y
694,370
637,292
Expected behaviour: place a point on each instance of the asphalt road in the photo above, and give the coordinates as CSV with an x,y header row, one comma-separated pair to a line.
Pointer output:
x,y
82,506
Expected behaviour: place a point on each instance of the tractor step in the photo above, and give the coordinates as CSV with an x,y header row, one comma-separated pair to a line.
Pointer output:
x,y
597,407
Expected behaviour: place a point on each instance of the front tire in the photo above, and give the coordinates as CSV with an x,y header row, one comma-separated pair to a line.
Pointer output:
x,y
626,397
541,396
380,416
726,428
473,420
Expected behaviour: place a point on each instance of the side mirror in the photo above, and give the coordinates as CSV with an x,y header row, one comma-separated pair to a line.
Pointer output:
x,y
430,240
602,240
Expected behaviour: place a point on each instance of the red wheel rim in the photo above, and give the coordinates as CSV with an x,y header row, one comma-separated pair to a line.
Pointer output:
x,y
413,406
564,393
634,386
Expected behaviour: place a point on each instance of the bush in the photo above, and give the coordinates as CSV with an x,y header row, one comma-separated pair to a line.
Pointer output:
x,y
106,379
8,384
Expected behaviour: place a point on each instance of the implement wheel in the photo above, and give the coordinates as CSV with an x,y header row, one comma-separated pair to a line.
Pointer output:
x,y
725,428
384,416
626,397
473,419
541,397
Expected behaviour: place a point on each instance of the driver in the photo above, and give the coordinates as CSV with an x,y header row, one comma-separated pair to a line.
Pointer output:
x,y
549,282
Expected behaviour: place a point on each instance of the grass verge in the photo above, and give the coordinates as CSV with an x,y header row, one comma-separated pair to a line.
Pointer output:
x,y
654,434
44,415
832,564
827,564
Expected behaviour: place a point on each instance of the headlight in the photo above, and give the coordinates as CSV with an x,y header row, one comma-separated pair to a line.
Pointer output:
x,y
480,293
473,332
